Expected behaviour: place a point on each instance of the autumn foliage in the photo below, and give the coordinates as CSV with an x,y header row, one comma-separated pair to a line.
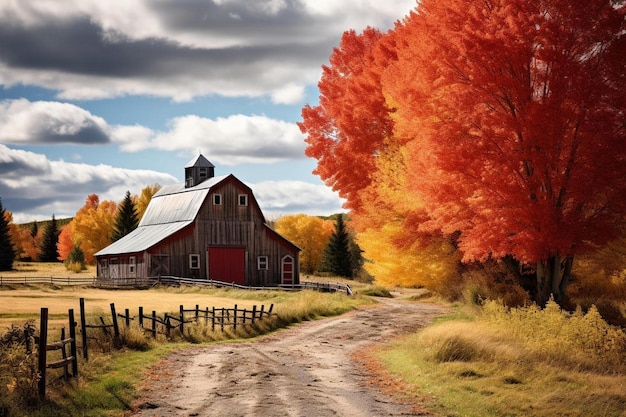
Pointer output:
x,y
498,125
309,233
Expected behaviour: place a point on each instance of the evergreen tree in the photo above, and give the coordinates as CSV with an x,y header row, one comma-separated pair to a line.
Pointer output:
x,y
34,229
126,220
7,252
48,250
337,258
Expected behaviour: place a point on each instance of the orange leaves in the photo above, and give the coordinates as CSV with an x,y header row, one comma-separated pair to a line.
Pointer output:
x,y
500,122
352,121
91,229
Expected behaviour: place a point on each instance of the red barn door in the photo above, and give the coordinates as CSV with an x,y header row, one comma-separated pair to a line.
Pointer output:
x,y
227,264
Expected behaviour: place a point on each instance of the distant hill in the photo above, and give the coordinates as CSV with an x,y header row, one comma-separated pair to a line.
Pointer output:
x,y
43,223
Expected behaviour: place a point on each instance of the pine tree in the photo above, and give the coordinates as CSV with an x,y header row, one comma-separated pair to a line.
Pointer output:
x,y
34,229
7,252
337,258
126,220
48,249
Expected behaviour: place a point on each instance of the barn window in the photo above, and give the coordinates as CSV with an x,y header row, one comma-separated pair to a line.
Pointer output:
x,y
194,261
262,262
131,265
203,174
217,199
243,199
104,267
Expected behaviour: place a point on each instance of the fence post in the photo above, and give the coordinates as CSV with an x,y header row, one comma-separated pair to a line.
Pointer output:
x,y
83,325
262,311
253,312
197,312
206,318
140,316
116,328
213,320
182,320
70,314
222,318
127,317
271,308
43,342
235,318
154,323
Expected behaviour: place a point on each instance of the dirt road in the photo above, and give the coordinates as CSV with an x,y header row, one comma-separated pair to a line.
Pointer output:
x,y
306,370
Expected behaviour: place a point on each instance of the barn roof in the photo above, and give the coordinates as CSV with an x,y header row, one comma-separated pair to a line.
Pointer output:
x,y
199,161
171,209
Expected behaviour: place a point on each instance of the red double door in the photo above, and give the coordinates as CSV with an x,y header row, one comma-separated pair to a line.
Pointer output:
x,y
227,264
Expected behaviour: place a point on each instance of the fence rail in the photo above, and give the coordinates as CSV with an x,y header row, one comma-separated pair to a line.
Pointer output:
x,y
47,280
170,280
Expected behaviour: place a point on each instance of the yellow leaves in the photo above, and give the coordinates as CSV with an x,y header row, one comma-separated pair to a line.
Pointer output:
x,y
142,201
309,233
430,264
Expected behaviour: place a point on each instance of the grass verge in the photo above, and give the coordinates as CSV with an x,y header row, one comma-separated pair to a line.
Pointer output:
x,y
517,362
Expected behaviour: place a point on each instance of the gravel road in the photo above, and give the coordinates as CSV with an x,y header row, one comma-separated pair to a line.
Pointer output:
x,y
305,370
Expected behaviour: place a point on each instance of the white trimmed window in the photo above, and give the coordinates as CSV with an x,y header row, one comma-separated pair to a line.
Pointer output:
x,y
243,199
194,261
217,199
262,262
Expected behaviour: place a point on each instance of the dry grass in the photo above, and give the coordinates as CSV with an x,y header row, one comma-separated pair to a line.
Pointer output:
x,y
47,269
516,362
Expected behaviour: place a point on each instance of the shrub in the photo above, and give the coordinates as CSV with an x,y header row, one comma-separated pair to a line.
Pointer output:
x,y
75,260
18,368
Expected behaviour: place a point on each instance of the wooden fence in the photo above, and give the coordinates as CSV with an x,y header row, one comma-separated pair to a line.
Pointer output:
x,y
170,280
44,347
47,281
217,318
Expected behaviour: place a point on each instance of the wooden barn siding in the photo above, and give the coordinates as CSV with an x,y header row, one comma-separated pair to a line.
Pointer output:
x,y
123,266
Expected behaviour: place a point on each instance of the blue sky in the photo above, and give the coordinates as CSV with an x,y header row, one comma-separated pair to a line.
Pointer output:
x,y
108,96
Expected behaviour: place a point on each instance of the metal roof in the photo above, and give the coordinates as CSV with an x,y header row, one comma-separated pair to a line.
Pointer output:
x,y
142,238
171,209
175,203
199,161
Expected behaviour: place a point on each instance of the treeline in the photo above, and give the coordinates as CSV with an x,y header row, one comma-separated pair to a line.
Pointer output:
x,y
73,241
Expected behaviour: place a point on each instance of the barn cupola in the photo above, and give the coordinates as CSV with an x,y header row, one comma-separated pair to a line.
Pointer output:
x,y
198,170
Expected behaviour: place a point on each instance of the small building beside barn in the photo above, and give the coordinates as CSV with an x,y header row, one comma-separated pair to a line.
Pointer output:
x,y
205,228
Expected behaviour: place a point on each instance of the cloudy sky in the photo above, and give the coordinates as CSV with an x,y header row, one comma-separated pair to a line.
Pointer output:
x,y
108,96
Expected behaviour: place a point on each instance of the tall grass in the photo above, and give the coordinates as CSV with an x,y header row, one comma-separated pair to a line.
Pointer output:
x,y
516,362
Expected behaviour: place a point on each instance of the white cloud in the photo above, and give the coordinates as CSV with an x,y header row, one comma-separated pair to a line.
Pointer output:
x,y
232,140
34,188
23,121
89,49
292,197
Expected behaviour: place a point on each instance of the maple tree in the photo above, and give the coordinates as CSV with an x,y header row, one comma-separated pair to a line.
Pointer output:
x,y
509,120
309,233
91,228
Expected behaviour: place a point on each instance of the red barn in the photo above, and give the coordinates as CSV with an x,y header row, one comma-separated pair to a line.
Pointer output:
x,y
207,228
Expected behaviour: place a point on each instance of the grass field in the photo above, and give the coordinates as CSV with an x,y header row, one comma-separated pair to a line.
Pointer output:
x,y
20,303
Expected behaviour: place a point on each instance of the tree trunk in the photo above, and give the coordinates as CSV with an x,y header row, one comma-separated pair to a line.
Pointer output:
x,y
552,279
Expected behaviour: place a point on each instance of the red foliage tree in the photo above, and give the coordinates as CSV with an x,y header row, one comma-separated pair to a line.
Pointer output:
x,y
510,118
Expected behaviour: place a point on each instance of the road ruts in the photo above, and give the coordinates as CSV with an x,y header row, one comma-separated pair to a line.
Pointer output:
x,y
305,370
